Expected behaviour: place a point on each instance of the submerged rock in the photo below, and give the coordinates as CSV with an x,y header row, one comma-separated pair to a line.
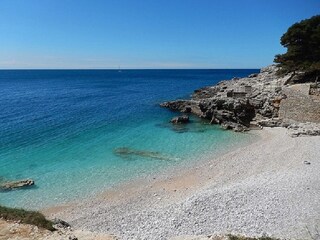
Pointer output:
x,y
129,152
180,119
16,184
179,128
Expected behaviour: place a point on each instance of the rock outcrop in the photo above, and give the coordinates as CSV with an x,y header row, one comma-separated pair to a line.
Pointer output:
x,y
254,101
180,119
16,184
235,103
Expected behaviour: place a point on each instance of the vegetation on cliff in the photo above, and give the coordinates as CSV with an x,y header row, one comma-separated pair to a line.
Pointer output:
x,y
27,217
302,41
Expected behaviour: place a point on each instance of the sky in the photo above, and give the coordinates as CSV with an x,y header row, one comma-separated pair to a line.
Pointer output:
x,y
145,34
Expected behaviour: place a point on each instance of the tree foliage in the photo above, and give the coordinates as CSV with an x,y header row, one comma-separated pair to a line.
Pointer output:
x,y
302,41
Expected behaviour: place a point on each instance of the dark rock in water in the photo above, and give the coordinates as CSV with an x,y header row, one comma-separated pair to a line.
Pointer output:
x,y
129,152
180,119
16,184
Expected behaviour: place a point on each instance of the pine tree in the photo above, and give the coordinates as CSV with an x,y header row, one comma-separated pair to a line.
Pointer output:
x,y
302,41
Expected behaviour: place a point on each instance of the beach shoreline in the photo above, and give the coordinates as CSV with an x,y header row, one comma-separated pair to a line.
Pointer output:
x,y
174,173
268,187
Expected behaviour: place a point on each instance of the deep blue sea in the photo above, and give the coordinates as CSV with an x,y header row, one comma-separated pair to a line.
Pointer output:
x,y
63,128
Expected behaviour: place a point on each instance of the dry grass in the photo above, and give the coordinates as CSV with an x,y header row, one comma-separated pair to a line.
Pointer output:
x,y
27,217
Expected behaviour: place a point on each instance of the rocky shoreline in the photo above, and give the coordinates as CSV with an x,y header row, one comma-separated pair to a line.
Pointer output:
x,y
248,103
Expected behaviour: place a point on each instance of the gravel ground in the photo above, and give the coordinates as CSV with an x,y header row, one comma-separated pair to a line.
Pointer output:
x,y
17,231
271,187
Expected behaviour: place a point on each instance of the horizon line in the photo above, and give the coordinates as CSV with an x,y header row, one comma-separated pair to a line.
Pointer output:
x,y
123,69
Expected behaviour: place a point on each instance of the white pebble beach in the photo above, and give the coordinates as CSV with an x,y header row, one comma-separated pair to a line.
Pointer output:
x,y
270,187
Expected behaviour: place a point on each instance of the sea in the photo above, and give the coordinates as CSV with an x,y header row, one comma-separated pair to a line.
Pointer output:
x,y
77,133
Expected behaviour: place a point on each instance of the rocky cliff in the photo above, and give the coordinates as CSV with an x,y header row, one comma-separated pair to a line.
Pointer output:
x,y
240,103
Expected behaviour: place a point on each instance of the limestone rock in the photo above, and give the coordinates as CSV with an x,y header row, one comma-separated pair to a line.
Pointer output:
x,y
73,237
180,119
235,103
58,223
270,122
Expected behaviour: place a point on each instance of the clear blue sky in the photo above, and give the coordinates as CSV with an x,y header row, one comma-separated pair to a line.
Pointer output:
x,y
146,33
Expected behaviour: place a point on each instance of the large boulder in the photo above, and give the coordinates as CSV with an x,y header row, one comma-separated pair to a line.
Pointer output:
x,y
58,223
180,119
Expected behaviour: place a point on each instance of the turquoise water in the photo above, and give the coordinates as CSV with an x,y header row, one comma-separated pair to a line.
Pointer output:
x,y
62,128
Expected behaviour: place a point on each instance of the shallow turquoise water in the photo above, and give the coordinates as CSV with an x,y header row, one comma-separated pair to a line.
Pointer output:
x,y
61,128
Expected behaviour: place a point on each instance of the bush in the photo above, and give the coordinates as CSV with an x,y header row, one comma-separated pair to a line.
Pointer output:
x,y
28,217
